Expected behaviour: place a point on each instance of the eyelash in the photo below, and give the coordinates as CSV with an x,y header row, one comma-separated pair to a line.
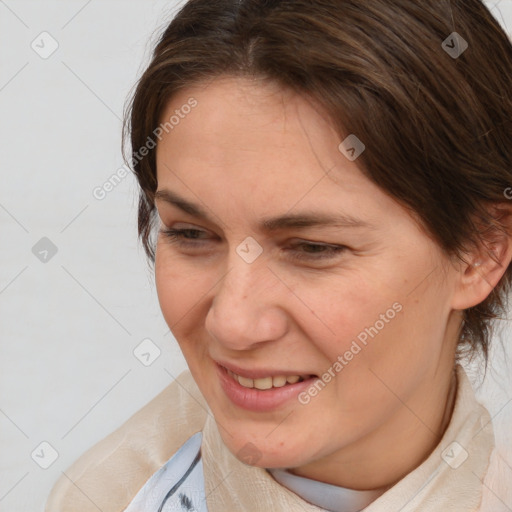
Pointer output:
x,y
178,237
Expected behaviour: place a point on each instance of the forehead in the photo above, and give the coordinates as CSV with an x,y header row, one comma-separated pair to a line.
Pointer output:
x,y
244,115
254,142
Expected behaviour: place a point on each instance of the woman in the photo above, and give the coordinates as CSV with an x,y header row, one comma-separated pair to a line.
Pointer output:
x,y
328,181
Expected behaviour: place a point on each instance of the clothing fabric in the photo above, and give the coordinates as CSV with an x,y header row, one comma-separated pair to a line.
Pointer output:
x,y
330,497
177,486
110,475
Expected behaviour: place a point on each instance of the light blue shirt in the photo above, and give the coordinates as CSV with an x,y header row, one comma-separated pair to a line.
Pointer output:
x,y
178,486
329,497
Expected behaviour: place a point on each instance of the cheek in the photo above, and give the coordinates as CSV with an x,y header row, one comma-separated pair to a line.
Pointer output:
x,y
385,339
360,327
344,311
179,290
168,286
179,297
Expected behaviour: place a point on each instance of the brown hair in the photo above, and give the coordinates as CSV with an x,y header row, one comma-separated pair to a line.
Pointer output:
x,y
437,126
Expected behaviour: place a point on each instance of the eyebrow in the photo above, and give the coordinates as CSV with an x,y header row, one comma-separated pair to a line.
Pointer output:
x,y
288,221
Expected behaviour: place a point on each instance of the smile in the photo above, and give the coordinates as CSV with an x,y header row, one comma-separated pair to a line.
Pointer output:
x,y
267,382
259,392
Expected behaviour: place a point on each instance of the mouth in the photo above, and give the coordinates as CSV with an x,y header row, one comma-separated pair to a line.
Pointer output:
x,y
269,382
253,390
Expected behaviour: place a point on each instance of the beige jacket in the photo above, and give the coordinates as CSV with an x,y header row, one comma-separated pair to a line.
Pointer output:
x,y
109,475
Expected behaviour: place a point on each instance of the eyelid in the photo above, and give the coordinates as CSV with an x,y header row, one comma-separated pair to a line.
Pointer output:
x,y
293,241
176,236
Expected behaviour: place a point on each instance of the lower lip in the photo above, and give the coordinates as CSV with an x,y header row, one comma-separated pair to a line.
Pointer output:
x,y
258,400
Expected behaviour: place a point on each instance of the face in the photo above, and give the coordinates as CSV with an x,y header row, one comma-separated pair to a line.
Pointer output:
x,y
290,265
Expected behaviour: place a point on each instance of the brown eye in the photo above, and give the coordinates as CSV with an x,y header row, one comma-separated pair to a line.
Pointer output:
x,y
311,251
185,237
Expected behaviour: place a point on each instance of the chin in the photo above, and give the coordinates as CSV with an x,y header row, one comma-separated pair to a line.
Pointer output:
x,y
265,454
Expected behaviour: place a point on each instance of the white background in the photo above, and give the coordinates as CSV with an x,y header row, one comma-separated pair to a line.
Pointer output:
x,y
68,327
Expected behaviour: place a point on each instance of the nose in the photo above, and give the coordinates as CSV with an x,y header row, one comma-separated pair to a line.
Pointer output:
x,y
246,309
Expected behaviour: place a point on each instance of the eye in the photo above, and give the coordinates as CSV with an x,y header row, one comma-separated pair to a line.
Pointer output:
x,y
193,238
314,251
189,237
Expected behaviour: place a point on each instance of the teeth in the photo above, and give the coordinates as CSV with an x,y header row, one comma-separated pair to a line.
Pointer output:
x,y
266,382
279,382
245,382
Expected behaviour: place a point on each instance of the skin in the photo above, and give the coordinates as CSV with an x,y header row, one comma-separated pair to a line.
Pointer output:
x,y
252,150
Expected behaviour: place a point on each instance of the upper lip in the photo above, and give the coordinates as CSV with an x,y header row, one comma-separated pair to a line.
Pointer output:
x,y
254,373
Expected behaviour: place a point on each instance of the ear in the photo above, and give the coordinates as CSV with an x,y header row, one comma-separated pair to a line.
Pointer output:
x,y
486,265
